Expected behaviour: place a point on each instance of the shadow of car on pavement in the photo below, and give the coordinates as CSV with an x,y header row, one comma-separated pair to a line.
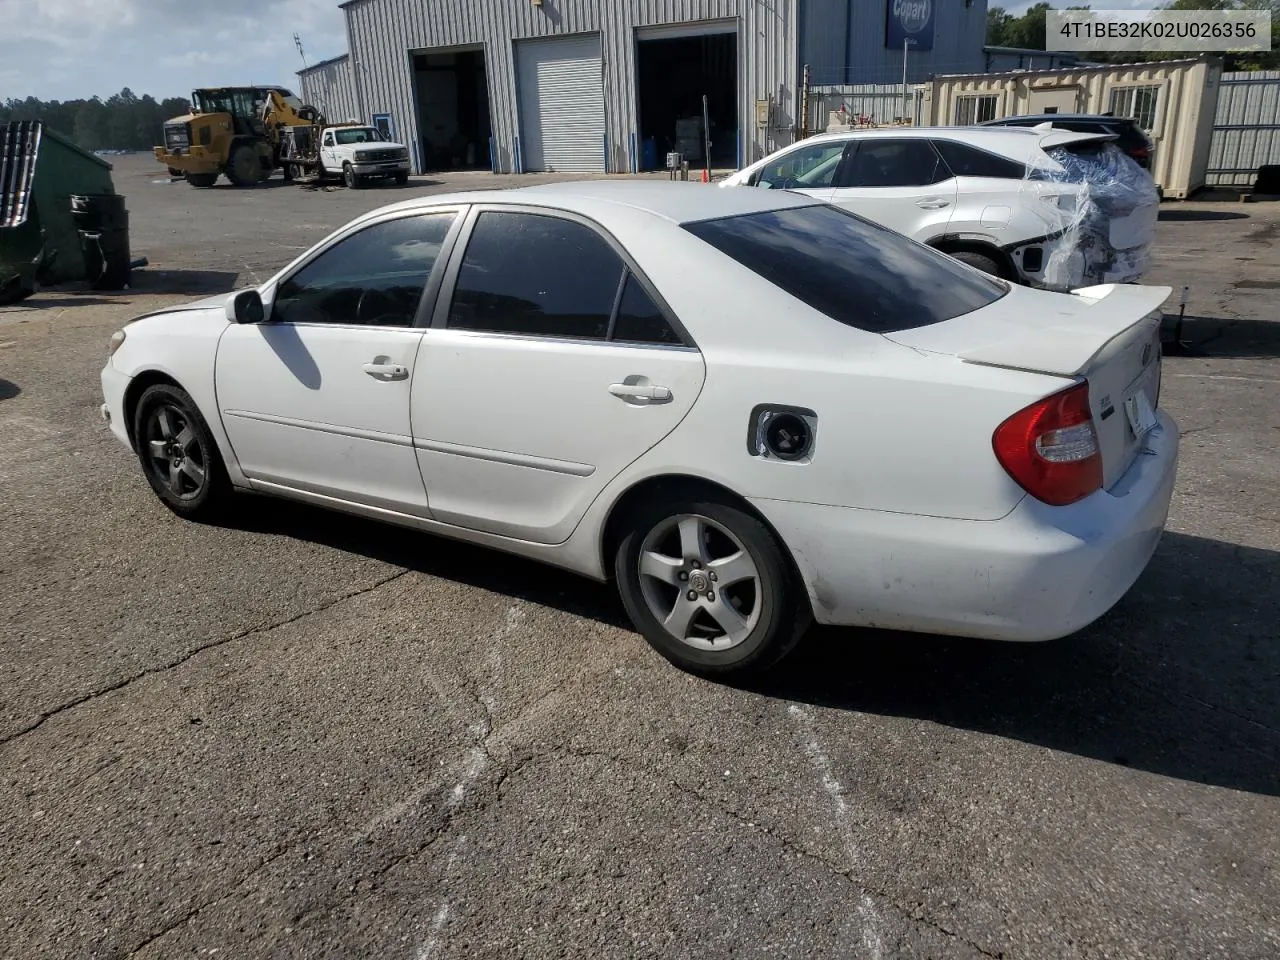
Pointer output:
x,y
1180,679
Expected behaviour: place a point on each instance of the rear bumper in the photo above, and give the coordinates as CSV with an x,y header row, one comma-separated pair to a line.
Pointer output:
x,y
1037,574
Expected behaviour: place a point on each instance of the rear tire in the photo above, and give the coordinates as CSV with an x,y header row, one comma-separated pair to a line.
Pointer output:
x,y
981,261
202,180
179,456
243,168
748,609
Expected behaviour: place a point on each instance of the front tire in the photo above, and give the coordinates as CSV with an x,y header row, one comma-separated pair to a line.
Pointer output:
x,y
401,179
202,180
243,168
349,177
709,587
179,456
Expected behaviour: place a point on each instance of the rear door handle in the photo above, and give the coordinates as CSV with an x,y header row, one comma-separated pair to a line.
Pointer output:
x,y
932,203
641,391
387,371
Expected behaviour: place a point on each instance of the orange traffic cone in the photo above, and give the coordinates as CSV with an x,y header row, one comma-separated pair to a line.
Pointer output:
x,y
706,177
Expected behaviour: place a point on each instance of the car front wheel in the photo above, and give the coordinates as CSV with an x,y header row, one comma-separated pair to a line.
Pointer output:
x,y
179,456
709,587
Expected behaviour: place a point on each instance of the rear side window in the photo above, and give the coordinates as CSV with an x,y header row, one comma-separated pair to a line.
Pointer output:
x,y
967,161
530,274
854,271
893,163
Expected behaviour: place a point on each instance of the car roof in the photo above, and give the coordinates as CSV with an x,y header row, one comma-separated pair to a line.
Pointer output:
x,y
678,202
1096,117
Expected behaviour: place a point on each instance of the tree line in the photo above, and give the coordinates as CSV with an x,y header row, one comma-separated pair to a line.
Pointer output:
x,y
123,121
1028,32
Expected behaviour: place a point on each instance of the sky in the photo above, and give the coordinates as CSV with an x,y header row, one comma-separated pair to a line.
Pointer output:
x,y
72,49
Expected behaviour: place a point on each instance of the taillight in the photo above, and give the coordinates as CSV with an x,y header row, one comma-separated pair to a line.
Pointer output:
x,y
1051,449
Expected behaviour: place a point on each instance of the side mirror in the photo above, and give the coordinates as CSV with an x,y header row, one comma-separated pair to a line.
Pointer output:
x,y
246,307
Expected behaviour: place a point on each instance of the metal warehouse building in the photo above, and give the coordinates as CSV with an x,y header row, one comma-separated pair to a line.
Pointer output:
x,y
613,85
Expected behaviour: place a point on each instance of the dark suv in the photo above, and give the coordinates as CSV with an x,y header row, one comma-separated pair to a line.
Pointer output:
x,y
1130,137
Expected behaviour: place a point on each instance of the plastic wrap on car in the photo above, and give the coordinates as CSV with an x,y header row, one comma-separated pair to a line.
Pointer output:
x,y
1101,208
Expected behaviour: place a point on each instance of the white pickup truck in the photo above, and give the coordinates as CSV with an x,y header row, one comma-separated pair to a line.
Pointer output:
x,y
354,152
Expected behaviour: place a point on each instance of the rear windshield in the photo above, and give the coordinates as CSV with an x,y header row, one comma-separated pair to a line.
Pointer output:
x,y
854,271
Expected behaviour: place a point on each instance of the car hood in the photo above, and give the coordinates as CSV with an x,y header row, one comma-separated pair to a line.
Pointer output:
x,y
218,301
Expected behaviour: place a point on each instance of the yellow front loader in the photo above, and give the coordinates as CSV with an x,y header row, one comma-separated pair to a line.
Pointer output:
x,y
232,131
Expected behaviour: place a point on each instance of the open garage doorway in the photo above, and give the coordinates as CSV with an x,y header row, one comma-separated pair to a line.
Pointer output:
x,y
454,128
675,66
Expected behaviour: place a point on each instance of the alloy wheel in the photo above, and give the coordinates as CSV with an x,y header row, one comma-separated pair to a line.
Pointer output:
x,y
699,582
176,454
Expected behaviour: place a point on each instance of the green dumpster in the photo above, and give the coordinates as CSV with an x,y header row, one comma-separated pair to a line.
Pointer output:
x,y
40,170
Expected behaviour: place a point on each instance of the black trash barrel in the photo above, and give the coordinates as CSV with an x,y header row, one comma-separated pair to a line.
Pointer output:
x,y
103,225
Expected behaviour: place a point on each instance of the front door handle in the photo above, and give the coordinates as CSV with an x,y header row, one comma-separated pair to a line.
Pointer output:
x,y
649,392
932,203
387,371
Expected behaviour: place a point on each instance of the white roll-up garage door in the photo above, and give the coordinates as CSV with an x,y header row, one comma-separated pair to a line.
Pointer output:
x,y
561,104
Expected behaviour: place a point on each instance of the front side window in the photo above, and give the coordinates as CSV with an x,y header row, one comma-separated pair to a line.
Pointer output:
x,y
975,109
328,139
893,163
371,278
854,271
808,168
527,273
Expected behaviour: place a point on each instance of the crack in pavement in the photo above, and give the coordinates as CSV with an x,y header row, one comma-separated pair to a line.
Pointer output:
x,y
189,655
198,908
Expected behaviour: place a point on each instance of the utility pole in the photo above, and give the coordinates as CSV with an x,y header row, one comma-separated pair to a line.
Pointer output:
x,y
905,42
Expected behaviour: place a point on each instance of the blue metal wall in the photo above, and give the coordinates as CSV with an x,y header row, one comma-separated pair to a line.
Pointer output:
x,y
843,41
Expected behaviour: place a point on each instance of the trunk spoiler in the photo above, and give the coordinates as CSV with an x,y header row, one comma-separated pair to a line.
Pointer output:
x,y
1068,345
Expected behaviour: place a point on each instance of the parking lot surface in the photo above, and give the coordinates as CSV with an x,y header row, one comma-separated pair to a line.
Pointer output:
x,y
308,735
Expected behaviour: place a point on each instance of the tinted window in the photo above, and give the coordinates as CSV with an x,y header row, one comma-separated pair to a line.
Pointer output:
x,y
808,168
893,163
967,161
531,274
374,277
639,319
852,270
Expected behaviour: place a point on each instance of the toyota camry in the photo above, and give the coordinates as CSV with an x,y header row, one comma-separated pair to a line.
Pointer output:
x,y
749,409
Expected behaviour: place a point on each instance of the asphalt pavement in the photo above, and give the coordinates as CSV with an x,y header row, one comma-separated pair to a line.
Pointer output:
x,y
309,735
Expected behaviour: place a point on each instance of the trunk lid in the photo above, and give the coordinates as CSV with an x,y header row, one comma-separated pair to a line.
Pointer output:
x,y
1107,334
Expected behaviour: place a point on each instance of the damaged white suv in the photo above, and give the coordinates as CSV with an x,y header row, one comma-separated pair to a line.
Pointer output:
x,y
1040,206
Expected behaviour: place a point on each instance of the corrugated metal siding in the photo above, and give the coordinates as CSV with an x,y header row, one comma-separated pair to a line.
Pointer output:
x,y
329,86
383,34
842,41
1184,109
1246,127
561,104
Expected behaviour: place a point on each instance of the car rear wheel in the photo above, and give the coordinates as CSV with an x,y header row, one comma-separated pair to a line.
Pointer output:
x,y
980,260
709,587
179,456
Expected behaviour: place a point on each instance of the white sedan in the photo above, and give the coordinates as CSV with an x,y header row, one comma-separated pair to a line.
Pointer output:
x,y
749,408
